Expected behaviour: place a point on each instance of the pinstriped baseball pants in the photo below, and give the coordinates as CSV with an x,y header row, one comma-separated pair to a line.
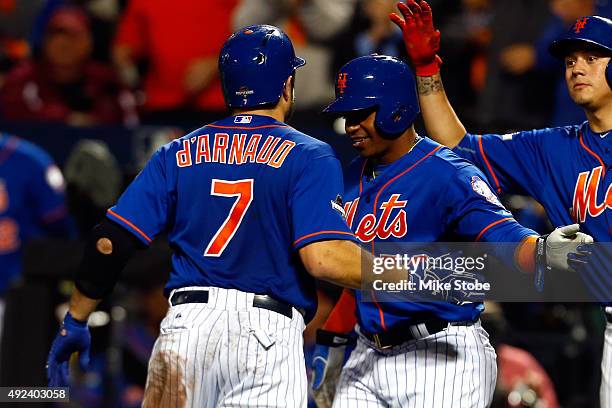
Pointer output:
x,y
454,368
227,353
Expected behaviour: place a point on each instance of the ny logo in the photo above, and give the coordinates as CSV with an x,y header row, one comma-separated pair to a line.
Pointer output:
x,y
580,23
341,82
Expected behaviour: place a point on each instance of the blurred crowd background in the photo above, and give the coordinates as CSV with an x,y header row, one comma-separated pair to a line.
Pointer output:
x,y
100,84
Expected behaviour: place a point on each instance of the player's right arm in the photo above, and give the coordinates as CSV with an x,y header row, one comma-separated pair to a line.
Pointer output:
x,y
327,247
335,261
509,161
422,42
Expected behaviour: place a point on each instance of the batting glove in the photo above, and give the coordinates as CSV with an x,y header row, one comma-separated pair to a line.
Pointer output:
x,y
566,249
73,336
421,39
330,353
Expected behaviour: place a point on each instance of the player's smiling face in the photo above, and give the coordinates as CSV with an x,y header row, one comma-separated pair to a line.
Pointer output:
x,y
366,139
585,75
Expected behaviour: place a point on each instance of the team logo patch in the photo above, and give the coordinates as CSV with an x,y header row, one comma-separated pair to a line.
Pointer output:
x,y
580,24
338,206
482,188
4,198
243,119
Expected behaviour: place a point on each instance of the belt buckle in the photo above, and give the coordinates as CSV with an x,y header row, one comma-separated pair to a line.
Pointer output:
x,y
378,343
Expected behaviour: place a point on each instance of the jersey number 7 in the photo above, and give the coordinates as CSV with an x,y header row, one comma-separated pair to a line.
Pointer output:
x,y
243,191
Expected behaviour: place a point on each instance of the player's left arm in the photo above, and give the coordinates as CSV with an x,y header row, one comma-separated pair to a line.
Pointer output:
x,y
334,344
478,215
140,214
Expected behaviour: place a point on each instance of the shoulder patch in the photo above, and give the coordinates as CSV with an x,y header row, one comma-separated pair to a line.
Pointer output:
x,y
482,188
338,205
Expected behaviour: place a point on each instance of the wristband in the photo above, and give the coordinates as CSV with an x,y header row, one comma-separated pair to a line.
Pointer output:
x,y
429,69
331,339
540,262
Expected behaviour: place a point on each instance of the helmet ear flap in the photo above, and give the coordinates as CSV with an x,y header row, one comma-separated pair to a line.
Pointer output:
x,y
393,121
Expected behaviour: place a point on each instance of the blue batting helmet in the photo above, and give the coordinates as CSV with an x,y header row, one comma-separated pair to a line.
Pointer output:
x,y
254,64
381,82
595,31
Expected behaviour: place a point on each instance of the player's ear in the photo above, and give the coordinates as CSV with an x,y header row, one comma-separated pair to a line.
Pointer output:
x,y
288,89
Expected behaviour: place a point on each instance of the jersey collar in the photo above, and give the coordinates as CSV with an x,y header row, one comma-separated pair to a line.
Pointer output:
x,y
248,121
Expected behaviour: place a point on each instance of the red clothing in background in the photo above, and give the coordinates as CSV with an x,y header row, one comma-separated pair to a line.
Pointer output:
x,y
171,35
28,94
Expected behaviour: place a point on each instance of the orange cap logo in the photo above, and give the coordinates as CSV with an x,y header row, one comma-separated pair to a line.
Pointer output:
x,y
579,25
341,82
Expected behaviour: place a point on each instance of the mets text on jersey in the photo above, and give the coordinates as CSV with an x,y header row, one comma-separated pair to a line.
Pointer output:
x,y
585,195
235,149
370,227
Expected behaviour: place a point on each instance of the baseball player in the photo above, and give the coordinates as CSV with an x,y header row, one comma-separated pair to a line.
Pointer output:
x,y
32,203
566,169
250,207
406,188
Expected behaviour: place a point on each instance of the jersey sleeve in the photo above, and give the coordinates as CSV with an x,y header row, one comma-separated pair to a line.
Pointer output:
x,y
475,211
478,215
143,207
513,163
316,208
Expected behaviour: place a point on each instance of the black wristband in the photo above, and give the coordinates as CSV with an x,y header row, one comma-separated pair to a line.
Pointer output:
x,y
332,339
540,262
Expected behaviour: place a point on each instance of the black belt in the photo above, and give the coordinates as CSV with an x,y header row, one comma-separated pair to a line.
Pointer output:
x,y
261,301
402,333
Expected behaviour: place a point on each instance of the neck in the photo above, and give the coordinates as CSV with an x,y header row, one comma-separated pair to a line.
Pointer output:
x,y
399,147
600,120
275,113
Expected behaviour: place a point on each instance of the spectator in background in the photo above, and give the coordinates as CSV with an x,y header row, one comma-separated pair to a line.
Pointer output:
x,y
179,44
312,26
523,57
510,101
31,204
103,15
63,84
382,36
16,20
466,25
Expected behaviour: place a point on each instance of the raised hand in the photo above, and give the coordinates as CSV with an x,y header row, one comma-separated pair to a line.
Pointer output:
x,y
421,39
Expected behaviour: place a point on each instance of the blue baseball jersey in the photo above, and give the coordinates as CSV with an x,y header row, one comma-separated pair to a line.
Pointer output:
x,y
428,195
31,201
567,169
237,198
